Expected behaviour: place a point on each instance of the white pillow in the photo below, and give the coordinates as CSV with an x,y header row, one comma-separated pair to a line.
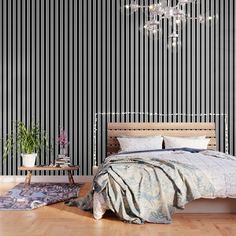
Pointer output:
x,y
190,142
130,144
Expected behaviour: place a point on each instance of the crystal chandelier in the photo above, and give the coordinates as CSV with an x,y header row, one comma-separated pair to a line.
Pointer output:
x,y
175,14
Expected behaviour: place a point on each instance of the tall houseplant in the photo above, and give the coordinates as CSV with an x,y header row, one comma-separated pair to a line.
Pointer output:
x,y
28,141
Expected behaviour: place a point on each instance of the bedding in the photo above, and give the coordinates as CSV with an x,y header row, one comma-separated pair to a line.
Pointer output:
x,y
190,142
128,144
149,186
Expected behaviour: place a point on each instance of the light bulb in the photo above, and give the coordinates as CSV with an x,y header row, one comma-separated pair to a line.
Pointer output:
x,y
178,21
152,29
134,6
156,9
130,9
152,26
151,7
169,12
174,43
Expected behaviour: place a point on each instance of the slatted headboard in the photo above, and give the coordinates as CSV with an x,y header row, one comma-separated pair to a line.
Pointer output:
x,y
115,130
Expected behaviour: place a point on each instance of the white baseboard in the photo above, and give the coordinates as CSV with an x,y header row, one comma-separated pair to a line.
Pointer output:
x,y
45,178
218,205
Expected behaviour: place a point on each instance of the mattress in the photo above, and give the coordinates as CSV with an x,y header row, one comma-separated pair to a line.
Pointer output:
x,y
218,167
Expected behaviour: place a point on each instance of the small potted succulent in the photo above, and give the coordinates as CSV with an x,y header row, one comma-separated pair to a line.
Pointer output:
x,y
28,141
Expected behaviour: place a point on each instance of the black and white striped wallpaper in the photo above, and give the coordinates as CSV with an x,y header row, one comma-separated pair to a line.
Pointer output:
x,y
61,61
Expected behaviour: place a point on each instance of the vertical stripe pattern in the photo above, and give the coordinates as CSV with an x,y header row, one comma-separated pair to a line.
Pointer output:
x,y
61,61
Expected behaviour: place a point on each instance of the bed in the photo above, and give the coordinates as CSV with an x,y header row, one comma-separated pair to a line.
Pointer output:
x,y
149,186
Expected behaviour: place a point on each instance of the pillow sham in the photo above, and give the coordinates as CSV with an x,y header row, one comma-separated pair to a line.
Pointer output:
x,y
130,144
200,142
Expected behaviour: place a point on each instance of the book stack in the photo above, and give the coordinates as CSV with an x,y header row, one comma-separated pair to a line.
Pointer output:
x,y
62,161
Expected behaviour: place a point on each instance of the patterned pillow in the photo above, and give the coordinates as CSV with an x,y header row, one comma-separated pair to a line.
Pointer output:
x,y
199,142
130,144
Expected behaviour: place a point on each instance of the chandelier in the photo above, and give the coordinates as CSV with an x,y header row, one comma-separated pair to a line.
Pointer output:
x,y
176,14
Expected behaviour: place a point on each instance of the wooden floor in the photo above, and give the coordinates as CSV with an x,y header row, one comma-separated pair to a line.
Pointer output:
x,y
59,219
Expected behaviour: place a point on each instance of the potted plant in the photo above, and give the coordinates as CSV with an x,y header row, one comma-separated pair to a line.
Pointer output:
x,y
62,141
28,141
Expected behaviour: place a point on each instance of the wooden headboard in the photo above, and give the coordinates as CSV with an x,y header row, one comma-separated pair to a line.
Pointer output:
x,y
115,130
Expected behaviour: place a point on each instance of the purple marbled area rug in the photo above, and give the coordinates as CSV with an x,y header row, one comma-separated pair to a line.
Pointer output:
x,y
37,195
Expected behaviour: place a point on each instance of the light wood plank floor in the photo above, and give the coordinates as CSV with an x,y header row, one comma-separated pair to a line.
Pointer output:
x,y
59,219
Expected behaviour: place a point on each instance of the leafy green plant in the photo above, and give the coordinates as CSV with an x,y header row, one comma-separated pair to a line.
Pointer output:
x,y
26,140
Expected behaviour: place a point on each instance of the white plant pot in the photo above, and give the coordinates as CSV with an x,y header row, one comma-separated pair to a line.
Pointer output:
x,y
29,159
